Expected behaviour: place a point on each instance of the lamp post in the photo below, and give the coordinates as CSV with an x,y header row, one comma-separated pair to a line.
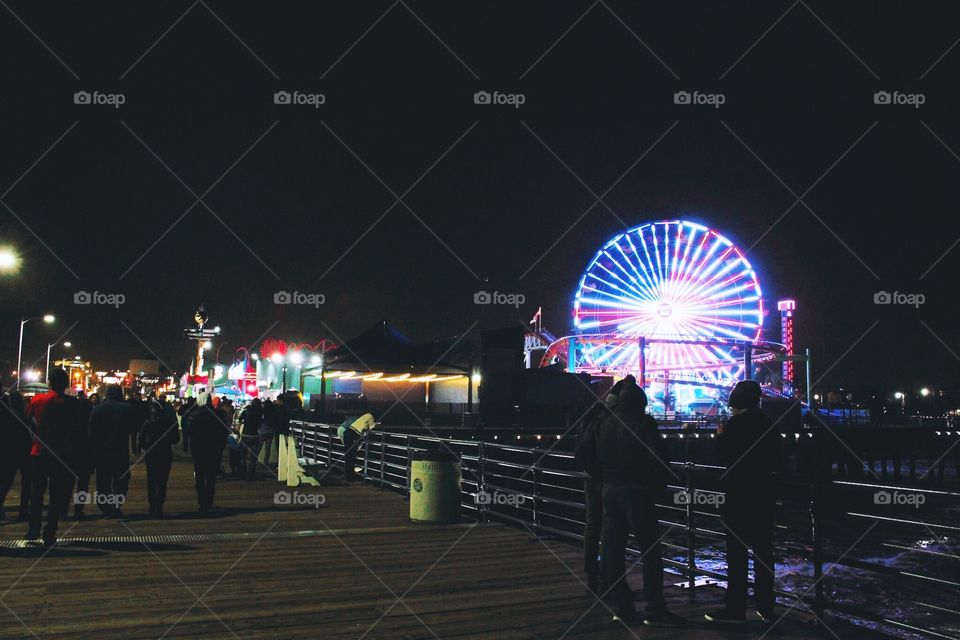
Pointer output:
x,y
49,346
49,319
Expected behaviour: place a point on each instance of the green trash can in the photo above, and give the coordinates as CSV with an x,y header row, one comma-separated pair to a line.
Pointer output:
x,y
435,488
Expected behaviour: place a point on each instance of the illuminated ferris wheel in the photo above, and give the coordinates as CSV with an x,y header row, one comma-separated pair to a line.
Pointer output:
x,y
683,288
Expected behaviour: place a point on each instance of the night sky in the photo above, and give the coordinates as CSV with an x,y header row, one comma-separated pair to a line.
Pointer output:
x,y
298,198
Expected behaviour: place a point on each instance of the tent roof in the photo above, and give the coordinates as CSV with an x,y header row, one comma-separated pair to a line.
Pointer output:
x,y
385,348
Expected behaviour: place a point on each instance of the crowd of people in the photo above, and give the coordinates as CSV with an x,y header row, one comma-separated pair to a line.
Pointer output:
x,y
620,450
57,441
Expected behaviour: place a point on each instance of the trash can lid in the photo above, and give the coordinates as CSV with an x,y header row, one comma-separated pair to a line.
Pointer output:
x,y
435,456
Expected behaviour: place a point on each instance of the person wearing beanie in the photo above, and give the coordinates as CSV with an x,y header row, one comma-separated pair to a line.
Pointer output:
x,y
749,448
623,450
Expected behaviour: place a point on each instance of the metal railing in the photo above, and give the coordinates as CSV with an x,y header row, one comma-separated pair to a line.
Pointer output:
x,y
819,516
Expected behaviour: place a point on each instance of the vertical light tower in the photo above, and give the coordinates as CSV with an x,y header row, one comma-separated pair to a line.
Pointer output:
x,y
786,309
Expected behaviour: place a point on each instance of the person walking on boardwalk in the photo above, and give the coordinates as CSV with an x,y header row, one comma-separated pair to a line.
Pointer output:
x,y
625,444
57,424
250,420
82,462
16,439
158,433
749,447
111,430
208,434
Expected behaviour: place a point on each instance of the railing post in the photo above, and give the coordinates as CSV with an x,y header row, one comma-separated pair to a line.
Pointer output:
x,y
815,528
691,529
406,486
383,450
482,480
366,458
330,448
536,494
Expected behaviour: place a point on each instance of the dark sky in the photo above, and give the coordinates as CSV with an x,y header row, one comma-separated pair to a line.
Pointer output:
x,y
504,187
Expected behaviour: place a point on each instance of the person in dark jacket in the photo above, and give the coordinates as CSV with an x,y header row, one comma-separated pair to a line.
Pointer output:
x,y
57,426
16,437
625,447
250,420
186,414
111,429
593,489
82,462
749,447
158,433
208,435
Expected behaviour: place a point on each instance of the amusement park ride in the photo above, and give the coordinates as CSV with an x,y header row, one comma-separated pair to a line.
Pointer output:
x,y
677,305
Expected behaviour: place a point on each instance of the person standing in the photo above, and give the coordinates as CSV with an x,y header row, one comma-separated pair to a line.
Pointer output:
x,y
593,486
185,413
250,420
749,448
158,433
112,427
16,438
57,425
625,444
208,435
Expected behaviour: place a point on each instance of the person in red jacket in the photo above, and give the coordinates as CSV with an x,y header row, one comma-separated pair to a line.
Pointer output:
x,y
58,425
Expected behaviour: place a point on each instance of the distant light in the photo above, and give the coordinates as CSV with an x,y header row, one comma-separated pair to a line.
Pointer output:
x,y
296,357
898,395
67,344
277,357
315,359
208,345
924,392
49,318
475,378
216,329
255,356
9,260
816,396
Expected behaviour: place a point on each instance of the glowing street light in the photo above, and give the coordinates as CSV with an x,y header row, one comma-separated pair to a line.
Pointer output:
x,y
9,260
51,345
49,319
296,358
924,392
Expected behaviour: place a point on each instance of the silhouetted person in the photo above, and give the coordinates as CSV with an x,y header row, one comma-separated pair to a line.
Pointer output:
x,y
748,446
250,420
625,444
158,433
16,437
82,462
57,425
593,488
208,435
112,426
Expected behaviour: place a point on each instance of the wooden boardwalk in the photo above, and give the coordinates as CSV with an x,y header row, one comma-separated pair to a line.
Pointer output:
x,y
352,568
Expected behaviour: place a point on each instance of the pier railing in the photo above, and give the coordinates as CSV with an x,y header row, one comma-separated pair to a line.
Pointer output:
x,y
842,533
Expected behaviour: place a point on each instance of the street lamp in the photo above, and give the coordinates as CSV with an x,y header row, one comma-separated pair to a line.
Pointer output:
x,y
925,392
49,319
66,344
9,260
